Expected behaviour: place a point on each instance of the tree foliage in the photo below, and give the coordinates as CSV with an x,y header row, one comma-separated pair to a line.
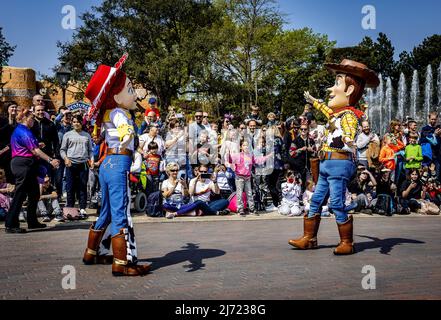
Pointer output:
x,y
227,54
6,52
377,55
231,53
168,42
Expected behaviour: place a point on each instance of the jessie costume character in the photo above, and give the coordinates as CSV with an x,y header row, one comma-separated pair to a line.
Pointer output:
x,y
112,96
337,162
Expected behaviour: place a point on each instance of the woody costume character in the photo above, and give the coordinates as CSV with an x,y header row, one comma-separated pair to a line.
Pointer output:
x,y
337,156
112,96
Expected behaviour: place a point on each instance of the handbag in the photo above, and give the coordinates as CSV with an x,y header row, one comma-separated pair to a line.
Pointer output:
x,y
71,213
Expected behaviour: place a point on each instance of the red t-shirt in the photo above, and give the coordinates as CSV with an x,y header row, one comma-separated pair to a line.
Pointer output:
x,y
152,162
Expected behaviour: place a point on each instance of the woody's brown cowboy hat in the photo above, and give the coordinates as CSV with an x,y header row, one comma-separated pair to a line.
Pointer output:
x,y
356,69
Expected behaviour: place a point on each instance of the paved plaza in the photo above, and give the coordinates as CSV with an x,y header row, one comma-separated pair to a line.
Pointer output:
x,y
239,259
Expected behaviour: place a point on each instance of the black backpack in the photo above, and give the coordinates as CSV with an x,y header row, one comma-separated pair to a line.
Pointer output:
x,y
384,205
154,205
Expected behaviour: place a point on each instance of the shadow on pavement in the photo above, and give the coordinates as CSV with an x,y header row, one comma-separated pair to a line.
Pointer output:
x,y
64,227
385,245
192,254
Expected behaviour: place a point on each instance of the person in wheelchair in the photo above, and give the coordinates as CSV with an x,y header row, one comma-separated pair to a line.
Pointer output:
x,y
151,168
144,176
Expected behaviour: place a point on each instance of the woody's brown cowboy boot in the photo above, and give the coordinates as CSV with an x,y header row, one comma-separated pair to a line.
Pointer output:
x,y
121,265
96,247
346,245
309,239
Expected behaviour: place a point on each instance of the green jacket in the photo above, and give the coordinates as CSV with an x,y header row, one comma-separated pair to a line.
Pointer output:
x,y
416,152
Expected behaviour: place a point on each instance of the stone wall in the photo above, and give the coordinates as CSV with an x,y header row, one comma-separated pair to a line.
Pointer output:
x,y
20,85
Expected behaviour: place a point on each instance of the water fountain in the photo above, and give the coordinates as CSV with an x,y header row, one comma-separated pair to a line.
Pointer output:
x,y
402,96
382,105
439,88
369,98
379,102
388,102
428,91
414,95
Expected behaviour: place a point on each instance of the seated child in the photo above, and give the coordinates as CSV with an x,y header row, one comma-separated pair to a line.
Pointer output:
x,y
309,192
48,203
291,193
432,191
6,191
224,180
307,196
254,116
432,171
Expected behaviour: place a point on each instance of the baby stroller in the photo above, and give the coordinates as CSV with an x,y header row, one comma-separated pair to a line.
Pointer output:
x,y
139,196
147,196
261,193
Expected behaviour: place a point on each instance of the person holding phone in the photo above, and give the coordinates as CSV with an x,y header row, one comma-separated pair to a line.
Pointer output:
x,y
291,192
411,191
175,191
201,188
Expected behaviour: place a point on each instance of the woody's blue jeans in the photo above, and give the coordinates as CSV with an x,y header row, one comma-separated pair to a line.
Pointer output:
x,y
333,179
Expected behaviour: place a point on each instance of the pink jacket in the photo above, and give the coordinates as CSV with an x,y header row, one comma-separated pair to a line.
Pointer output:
x,y
242,163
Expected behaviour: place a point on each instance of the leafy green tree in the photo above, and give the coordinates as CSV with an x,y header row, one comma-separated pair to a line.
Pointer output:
x,y
168,42
378,56
297,65
244,58
6,51
428,52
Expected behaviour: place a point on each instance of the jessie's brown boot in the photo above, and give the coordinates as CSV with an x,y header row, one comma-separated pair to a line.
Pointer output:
x,y
310,230
346,245
121,266
92,254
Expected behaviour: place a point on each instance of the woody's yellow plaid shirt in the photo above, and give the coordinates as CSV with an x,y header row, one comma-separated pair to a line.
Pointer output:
x,y
348,126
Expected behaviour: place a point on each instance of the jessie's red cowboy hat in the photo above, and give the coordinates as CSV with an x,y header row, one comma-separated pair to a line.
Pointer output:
x,y
101,83
357,69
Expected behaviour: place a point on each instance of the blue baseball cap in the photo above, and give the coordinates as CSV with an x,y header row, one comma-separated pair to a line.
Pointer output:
x,y
152,100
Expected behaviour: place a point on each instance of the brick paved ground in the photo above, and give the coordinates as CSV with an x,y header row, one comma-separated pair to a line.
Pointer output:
x,y
233,260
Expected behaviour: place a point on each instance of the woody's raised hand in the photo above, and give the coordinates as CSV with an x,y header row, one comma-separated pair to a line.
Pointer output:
x,y
310,99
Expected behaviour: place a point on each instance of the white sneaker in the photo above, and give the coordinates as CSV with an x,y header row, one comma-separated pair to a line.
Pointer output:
x,y
170,215
83,214
21,217
271,208
59,218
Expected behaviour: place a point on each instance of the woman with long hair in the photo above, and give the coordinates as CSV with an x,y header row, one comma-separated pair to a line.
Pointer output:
x,y
411,191
8,122
77,152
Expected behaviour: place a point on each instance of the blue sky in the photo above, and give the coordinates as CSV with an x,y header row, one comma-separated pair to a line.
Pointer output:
x,y
35,26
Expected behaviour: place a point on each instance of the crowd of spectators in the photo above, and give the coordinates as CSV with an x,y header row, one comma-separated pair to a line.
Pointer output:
x,y
203,165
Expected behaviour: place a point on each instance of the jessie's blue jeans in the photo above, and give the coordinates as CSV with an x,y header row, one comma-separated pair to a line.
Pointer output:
x,y
333,179
115,204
